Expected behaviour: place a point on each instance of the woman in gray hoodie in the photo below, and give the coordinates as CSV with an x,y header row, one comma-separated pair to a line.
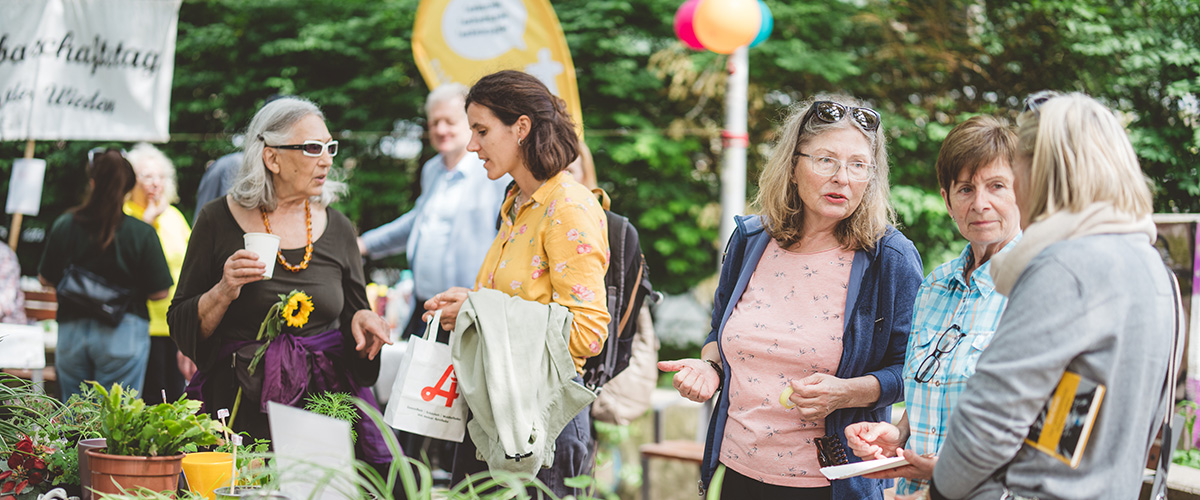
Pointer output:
x,y
1088,294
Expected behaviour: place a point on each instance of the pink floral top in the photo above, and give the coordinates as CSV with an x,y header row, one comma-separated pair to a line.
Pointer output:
x,y
12,301
556,250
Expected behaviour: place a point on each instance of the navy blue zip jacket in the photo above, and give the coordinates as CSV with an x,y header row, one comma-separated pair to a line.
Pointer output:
x,y
879,311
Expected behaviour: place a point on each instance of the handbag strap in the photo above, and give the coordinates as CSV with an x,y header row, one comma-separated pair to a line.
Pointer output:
x,y
1158,490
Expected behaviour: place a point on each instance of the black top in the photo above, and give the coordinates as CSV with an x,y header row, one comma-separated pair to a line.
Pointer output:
x,y
334,280
134,260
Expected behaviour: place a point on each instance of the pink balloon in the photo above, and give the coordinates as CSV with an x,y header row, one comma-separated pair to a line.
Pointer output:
x,y
683,25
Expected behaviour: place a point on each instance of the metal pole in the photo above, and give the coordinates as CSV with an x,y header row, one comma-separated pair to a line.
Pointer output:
x,y
14,233
734,141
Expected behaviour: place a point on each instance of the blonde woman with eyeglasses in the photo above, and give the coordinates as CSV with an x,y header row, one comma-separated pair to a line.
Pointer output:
x,y
1088,294
812,313
151,201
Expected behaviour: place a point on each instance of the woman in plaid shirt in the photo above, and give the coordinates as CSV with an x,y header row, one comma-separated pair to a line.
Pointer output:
x,y
957,307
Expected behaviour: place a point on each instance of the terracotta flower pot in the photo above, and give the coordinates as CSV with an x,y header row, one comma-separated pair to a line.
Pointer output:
x,y
153,473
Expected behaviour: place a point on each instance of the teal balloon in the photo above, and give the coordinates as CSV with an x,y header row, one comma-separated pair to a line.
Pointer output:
x,y
768,23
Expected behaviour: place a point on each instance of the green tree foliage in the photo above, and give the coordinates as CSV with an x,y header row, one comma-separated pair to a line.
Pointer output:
x,y
653,110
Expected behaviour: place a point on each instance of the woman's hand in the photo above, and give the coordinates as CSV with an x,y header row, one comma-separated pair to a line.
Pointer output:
x,y
695,379
370,332
873,440
187,367
819,394
240,268
919,467
155,206
449,302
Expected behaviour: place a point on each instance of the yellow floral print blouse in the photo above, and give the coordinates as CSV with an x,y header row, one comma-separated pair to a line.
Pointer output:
x,y
555,250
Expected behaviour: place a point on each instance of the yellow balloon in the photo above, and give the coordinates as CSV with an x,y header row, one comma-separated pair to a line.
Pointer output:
x,y
724,25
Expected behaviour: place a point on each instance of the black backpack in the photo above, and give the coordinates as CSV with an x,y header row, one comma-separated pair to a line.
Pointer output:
x,y
628,285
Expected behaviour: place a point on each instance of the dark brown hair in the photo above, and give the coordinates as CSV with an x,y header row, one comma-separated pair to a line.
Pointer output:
x,y
972,145
101,212
551,143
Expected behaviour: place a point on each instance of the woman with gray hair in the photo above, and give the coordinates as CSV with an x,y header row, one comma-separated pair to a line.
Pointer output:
x,y
811,315
283,188
1088,294
151,202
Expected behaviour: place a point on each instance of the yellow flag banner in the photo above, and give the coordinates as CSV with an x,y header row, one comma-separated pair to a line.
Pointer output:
x,y
464,40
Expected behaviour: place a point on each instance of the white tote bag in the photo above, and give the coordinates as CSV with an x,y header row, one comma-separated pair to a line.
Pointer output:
x,y
425,397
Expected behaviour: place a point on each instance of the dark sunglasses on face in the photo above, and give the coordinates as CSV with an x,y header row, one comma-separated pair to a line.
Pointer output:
x,y
946,342
832,112
309,148
1035,100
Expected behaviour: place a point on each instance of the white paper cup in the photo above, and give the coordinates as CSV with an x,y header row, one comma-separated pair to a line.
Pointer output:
x,y
266,246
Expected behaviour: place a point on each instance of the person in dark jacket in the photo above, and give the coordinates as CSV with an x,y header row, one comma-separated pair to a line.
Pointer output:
x,y
97,236
811,317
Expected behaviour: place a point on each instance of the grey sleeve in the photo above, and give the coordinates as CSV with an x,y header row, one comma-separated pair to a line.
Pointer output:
x,y
1043,328
390,238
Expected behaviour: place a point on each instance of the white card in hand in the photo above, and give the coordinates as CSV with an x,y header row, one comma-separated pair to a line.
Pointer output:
x,y
860,468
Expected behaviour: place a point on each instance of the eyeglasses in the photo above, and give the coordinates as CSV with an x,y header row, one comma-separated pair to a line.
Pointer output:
x,y
310,148
932,362
824,165
830,451
832,112
1035,100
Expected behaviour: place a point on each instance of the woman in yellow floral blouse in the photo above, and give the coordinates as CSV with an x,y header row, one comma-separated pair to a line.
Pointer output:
x,y
553,241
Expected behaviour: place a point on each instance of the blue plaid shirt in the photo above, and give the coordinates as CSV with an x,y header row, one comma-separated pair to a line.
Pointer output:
x,y
946,299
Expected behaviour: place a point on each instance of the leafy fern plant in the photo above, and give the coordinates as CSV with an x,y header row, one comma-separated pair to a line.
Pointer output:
x,y
337,405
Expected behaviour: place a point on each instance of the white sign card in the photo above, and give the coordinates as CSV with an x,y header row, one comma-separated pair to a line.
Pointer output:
x,y
313,454
86,69
22,346
25,186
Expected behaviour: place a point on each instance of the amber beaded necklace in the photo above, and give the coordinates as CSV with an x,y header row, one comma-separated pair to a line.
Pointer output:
x,y
307,248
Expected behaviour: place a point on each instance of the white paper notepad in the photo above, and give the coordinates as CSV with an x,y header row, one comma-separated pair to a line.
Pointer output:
x,y
860,468
314,454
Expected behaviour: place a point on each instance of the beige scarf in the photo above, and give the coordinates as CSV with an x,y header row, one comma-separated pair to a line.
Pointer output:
x,y
1097,218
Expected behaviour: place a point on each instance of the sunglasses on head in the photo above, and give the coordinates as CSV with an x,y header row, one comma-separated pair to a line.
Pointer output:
x,y
92,153
1035,100
309,148
832,112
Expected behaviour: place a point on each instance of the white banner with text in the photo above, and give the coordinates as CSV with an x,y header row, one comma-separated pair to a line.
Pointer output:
x,y
86,69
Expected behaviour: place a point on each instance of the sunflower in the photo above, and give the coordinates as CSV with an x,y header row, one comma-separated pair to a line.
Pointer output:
x,y
299,306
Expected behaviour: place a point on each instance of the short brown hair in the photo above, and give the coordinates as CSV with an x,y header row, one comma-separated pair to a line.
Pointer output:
x,y
972,145
552,143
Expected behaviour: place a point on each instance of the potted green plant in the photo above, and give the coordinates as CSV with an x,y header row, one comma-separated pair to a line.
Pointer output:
x,y
144,444
38,436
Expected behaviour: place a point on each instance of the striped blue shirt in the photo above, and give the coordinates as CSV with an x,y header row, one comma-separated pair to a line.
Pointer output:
x,y
946,299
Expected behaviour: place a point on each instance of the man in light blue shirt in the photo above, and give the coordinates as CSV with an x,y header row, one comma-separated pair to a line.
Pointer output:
x,y
448,232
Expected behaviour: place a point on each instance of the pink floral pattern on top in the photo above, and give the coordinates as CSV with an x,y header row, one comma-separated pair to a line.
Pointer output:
x,y
12,301
562,230
786,326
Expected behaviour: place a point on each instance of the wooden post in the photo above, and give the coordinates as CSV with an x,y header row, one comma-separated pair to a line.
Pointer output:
x,y
14,232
